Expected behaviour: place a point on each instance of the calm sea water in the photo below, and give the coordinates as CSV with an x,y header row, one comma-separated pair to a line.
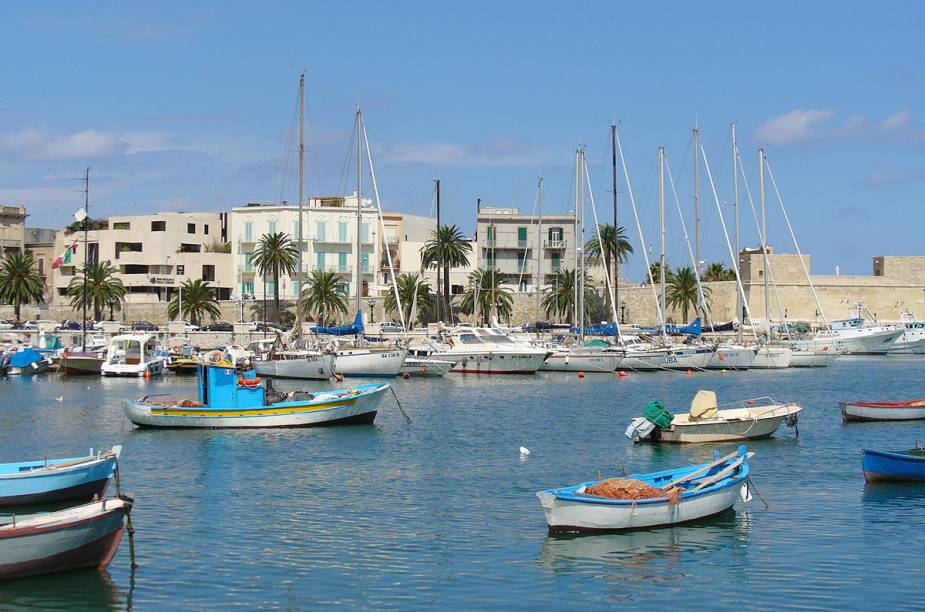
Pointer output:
x,y
442,512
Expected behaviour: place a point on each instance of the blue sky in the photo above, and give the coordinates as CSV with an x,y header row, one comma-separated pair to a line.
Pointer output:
x,y
191,106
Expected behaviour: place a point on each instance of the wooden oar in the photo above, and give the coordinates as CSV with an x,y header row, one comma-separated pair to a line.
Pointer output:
x,y
722,473
78,461
702,470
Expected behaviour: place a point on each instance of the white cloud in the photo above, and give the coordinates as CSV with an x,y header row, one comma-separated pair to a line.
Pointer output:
x,y
795,126
896,121
505,152
35,144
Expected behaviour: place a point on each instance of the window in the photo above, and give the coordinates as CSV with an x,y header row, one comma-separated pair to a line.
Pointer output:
x,y
122,225
521,234
364,232
181,270
491,261
270,287
190,248
190,228
247,288
248,231
158,226
341,262
248,266
127,247
272,227
554,234
297,230
523,286
342,231
364,262
208,272
205,229
319,261
522,260
320,231
556,261
491,232
41,266
457,289
135,269
295,287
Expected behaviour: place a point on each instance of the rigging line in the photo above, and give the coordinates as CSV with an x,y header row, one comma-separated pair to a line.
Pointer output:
x,y
690,251
316,150
645,254
600,245
764,247
348,162
287,155
722,220
523,265
795,243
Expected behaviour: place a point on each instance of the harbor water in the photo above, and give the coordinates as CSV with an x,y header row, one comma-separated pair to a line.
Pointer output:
x,y
443,512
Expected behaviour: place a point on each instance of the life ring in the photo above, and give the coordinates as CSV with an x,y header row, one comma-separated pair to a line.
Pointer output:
x,y
249,383
215,356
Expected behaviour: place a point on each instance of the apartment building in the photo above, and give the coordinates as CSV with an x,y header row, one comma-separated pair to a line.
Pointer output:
x,y
40,243
330,229
512,243
155,254
12,228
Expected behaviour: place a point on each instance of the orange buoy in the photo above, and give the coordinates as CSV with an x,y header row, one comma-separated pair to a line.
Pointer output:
x,y
690,372
622,373
339,377
581,375
147,374
406,376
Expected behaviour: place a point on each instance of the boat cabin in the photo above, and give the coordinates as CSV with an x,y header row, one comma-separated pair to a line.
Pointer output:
x,y
132,349
220,387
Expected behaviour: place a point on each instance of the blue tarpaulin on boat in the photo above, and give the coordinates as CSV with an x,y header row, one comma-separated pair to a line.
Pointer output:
x,y
25,358
353,329
694,329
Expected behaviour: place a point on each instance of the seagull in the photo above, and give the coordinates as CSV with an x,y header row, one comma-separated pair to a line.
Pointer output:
x,y
524,451
59,399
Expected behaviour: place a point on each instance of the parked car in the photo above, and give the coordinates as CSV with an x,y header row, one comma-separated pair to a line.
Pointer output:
x,y
5,325
219,326
390,327
261,326
189,327
69,325
36,323
144,326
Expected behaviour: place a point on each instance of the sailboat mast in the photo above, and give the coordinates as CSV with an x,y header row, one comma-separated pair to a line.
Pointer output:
x,y
581,250
575,231
697,216
764,246
301,183
83,328
358,279
661,229
539,248
735,204
616,219
437,239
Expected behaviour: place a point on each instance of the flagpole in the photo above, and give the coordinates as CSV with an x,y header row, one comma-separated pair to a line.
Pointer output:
x,y
86,227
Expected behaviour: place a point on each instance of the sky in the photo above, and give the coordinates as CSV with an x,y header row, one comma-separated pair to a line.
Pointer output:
x,y
191,106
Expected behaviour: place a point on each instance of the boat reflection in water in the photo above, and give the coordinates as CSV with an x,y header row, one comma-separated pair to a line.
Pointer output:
x,y
78,590
659,555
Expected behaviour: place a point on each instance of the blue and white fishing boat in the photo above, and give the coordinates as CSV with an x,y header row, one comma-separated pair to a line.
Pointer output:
x,y
908,465
227,400
56,480
28,362
687,494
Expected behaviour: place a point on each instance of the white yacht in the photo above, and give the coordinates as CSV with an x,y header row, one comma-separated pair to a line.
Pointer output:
x,y
772,357
482,350
856,337
133,355
581,359
299,363
913,339
732,357
639,355
368,361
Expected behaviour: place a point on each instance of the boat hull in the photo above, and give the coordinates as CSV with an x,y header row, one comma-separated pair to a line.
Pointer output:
x,y
83,538
76,365
696,359
861,342
34,483
772,357
812,359
152,368
314,367
908,345
497,363
355,409
363,362
724,431
564,361
39,367
886,466
856,411
732,358
426,367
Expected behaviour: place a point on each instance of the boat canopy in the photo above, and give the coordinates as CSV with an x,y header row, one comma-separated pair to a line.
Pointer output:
x,y
24,358
355,328
703,406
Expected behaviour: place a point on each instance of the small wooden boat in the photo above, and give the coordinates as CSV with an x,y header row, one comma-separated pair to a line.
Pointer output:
x,y
687,494
751,419
425,366
882,411
81,537
56,480
76,363
908,465
225,400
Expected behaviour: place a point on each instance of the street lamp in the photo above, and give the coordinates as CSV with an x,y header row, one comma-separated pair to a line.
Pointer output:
x,y
623,312
112,304
372,306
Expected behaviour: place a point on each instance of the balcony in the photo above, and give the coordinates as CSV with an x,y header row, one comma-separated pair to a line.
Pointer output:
x,y
242,269
554,244
336,268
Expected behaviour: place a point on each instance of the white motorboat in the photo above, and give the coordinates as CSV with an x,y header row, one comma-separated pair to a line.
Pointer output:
x,y
772,357
732,357
133,355
913,339
581,359
809,355
426,366
480,350
304,364
856,337
683,494
706,421
370,362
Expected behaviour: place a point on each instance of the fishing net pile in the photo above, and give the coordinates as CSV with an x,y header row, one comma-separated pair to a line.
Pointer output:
x,y
630,489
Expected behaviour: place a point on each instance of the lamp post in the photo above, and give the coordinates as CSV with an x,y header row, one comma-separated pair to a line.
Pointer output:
x,y
623,312
112,304
372,306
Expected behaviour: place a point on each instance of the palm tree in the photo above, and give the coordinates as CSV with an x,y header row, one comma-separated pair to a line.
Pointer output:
x,y
20,283
654,270
198,300
485,296
102,288
718,272
447,247
559,298
682,290
616,247
324,294
276,254
408,286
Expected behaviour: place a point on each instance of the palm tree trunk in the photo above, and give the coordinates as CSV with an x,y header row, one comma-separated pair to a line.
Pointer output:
x,y
446,294
276,294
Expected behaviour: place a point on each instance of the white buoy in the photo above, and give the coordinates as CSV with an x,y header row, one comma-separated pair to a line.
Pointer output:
x,y
59,399
524,451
